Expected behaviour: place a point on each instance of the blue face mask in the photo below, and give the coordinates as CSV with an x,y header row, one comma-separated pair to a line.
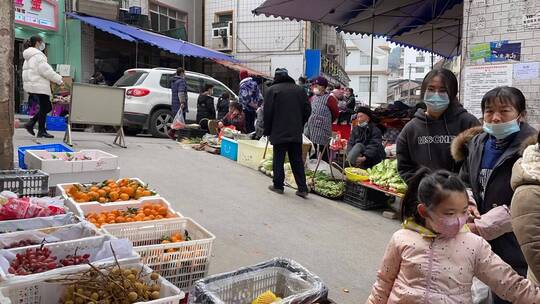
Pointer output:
x,y
436,102
502,130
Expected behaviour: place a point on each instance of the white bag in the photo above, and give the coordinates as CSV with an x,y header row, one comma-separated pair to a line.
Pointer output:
x,y
178,121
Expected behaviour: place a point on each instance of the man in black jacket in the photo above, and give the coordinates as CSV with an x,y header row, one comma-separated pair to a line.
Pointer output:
x,y
286,110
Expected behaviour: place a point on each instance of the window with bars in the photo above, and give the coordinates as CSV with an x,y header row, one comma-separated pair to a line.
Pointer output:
x,y
419,70
420,58
364,84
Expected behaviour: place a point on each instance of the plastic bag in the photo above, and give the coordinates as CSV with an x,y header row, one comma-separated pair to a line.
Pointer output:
x,y
178,121
480,292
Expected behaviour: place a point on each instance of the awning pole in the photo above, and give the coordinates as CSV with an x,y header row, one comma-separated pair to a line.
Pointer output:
x,y
432,46
371,58
136,54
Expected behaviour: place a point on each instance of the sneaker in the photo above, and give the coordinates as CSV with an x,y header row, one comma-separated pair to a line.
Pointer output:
x,y
46,135
302,194
30,129
276,190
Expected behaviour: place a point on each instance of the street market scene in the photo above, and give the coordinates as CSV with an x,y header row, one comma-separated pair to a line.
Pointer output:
x,y
269,151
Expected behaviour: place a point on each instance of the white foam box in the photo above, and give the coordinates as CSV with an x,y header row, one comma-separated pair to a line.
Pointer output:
x,y
83,177
52,162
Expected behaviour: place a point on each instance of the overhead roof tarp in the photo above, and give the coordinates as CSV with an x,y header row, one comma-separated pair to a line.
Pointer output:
x,y
406,22
134,34
239,67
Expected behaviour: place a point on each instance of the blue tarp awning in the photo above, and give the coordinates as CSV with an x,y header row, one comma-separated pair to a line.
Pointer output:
x,y
134,34
428,25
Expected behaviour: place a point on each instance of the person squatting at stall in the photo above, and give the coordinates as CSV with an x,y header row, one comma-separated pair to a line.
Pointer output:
x,y
235,117
365,148
434,257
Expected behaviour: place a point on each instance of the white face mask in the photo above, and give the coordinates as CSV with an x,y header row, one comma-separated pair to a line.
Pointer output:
x,y
41,46
316,91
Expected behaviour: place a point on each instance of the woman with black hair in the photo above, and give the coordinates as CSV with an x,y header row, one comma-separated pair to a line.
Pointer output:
x,y
488,156
37,77
425,140
223,105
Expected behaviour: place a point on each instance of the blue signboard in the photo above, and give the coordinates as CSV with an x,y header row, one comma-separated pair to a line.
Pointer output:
x,y
313,63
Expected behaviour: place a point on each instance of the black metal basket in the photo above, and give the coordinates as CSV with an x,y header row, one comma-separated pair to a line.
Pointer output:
x,y
363,197
25,182
190,133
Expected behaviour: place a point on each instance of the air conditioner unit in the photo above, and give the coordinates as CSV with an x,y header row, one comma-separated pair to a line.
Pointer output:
x,y
222,29
331,50
222,43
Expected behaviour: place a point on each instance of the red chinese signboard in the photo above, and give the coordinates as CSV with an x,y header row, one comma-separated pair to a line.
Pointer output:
x,y
41,14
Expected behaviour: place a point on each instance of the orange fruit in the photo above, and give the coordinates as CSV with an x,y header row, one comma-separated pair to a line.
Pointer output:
x,y
106,189
102,200
159,217
93,195
84,197
123,189
147,212
94,188
146,218
102,192
162,210
146,193
113,195
165,242
130,191
124,197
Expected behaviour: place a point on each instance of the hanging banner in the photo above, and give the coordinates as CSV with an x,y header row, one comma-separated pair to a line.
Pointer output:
x,y
41,14
482,78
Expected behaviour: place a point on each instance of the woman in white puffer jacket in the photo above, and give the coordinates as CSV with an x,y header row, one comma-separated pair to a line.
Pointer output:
x,y
37,77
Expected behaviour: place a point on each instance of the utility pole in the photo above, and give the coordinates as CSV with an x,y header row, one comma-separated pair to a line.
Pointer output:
x,y
6,84
409,86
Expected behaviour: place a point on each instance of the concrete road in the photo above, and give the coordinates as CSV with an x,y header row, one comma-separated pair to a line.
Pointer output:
x,y
340,243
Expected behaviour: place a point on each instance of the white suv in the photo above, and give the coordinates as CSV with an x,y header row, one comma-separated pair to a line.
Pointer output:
x,y
148,98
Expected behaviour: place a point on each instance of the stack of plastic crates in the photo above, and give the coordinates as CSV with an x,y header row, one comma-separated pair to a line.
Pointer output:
x,y
363,197
285,278
25,182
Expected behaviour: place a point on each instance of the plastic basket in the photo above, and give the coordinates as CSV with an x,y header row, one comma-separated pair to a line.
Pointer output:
x,y
40,292
95,207
189,261
51,148
61,250
190,133
353,177
251,152
25,182
62,190
56,123
364,198
43,160
285,278
229,148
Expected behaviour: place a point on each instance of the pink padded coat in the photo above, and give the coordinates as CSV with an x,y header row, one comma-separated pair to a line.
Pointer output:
x,y
420,267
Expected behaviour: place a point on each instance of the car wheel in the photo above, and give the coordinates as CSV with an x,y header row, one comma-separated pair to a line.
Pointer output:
x,y
132,131
160,123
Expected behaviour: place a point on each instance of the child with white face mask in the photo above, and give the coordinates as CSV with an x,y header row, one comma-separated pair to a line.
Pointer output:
x,y
434,257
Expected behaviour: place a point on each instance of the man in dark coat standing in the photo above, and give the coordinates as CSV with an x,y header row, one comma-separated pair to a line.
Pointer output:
x,y
286,110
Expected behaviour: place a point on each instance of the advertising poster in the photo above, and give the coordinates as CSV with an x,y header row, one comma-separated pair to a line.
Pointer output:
x,y
480,51
504,51
482,78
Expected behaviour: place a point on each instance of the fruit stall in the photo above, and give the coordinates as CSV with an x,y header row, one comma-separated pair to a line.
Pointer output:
x,y
119,241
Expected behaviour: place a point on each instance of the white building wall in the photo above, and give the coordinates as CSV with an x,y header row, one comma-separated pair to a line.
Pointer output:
x,y
418,69
358,68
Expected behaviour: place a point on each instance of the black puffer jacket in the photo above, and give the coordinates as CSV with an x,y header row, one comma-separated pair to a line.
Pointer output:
x,y
286,110
468,147
371,138
205,108
426,142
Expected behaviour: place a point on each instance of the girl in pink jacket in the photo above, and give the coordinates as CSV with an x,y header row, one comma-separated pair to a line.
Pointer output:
x,y
434,258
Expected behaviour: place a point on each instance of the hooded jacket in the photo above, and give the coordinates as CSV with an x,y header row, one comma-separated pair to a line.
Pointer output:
x,y
178,86
286,110
468,147
426,142
525,208
421,267
37,73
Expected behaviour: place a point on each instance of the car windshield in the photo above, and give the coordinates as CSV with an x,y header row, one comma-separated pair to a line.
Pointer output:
x,y
131,78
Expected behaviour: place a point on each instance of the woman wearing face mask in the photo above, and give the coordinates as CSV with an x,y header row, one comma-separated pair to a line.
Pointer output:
x,y
425,140
324,110
37,77
487,169
365,148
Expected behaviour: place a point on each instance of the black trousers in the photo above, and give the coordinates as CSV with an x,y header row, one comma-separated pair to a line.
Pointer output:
x,y
250,121
44,108
294,150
